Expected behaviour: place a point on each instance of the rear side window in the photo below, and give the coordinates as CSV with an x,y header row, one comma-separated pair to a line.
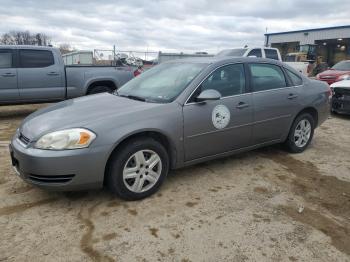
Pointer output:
x,y
6,58
255,52
266,77
296,80
35,58
227,80
271,53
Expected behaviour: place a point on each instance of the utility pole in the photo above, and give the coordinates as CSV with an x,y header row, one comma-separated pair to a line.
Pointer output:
x,y
115,63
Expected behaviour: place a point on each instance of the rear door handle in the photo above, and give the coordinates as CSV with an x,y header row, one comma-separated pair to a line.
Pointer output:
x,y
53,74
292,96
8,75
242,105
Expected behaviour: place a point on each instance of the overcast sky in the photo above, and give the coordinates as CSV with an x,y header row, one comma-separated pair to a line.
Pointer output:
x,y
174,25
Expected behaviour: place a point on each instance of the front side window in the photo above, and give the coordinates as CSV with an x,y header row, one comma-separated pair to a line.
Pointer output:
x,y
163,83
255,52
266,77
227,80
6,58
35,58
271,53
296,80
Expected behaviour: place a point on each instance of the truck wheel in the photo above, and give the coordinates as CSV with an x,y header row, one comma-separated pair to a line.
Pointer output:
x,y
301,133
99,89
138,169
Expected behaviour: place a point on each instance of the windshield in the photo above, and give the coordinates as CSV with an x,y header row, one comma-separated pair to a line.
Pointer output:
x,y
162,83
342,66
232,52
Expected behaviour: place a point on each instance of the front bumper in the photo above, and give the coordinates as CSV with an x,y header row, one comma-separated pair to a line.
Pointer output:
x,y
65,170
341,105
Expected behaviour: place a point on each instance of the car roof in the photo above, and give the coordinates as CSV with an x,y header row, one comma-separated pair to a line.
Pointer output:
x,y
225,59
26,47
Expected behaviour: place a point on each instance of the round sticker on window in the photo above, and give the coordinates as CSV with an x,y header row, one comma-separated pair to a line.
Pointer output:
x,y
221,116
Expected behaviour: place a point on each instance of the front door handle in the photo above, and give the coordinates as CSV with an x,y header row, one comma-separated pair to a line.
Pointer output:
x,y
292,96
53,74
8,75
242,105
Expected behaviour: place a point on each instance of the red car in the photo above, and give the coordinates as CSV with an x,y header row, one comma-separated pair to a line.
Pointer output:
x,y
339,72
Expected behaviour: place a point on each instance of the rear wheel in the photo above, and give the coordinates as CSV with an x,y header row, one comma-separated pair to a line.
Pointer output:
x,y
301,133
138,169
99,89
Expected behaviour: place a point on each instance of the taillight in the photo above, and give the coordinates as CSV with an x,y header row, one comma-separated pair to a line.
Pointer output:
x,y
137,72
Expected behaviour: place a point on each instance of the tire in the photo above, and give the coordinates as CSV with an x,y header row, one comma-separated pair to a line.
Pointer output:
x,y
127,170
297,143
100,89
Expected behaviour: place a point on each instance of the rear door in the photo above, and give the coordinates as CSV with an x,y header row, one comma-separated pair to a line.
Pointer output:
x,y
275,102
40,77
8,76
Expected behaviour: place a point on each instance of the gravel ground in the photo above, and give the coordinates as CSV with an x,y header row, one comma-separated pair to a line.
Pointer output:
x,y
240,208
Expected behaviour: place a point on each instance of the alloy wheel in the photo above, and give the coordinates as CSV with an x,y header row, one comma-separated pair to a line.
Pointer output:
x,y
142,171
302,133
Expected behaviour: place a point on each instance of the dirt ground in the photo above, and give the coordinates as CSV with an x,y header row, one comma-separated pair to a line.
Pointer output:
x,y
241,208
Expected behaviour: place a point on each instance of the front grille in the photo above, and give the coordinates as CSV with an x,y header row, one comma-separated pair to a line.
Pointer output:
x,y
25,140
50,179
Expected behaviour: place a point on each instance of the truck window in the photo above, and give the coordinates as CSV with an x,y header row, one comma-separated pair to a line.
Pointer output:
x,y
271,53
266,77
35,58
5,58
296,80
255,52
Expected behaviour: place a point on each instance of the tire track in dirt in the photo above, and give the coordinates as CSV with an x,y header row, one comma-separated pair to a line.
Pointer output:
x,y
8,210
86,242
326,192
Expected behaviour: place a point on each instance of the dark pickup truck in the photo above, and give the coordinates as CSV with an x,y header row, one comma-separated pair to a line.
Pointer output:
x,y
34,74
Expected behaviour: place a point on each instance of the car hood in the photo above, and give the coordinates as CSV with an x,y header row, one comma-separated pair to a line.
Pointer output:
x,y
333,73
79,112
345,84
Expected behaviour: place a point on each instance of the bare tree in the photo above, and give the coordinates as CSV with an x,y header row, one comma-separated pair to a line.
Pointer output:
x,y
65,48
24,38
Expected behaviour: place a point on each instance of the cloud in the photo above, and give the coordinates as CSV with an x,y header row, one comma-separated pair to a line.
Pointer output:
x,y
181,25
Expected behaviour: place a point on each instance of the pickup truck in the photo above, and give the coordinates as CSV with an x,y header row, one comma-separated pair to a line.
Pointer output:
x,y
35,74
265,52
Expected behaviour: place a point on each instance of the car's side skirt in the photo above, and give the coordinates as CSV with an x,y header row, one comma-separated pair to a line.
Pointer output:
x,y
229,153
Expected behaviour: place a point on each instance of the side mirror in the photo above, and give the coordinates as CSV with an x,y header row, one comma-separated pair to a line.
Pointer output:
x,y
209,94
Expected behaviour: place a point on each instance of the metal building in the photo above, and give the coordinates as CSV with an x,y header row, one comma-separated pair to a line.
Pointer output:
x,y
332,44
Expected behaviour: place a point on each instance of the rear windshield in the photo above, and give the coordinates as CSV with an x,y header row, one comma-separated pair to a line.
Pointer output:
x,y
232,52
342,66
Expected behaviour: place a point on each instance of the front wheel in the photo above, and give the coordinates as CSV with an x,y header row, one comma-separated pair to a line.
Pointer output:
x,y
138,169
301,133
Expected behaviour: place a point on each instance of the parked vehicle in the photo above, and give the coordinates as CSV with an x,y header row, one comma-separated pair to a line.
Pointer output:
x,y
339,72
176,114
31,74
341,97
265,52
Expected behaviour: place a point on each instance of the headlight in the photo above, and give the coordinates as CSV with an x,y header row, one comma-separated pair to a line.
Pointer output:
x,y
66,139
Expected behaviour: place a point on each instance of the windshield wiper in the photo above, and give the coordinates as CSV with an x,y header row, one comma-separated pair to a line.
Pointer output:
x,y
138,98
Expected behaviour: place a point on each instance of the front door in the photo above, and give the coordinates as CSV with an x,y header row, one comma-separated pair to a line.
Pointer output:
x,y
8,77
275,103
219,126
40,77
